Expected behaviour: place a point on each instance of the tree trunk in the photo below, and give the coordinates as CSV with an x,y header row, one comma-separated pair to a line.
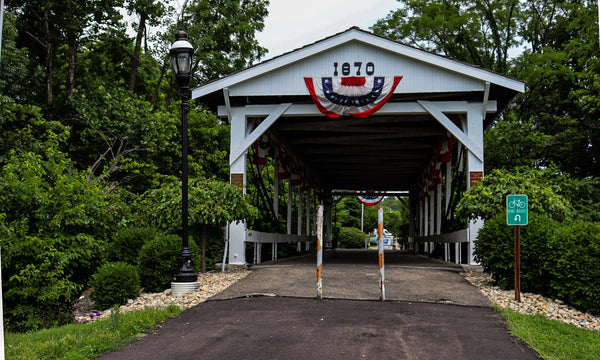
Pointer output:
x,y
204,248
48,64
162,74
71,74
136,53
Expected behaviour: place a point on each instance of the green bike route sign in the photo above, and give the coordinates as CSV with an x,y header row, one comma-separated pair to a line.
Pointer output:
x,y
516,210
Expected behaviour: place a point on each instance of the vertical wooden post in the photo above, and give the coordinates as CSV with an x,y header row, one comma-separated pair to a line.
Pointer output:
x,y
381,258
320,252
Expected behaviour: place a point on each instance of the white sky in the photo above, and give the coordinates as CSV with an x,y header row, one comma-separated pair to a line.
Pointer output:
x,y
292,24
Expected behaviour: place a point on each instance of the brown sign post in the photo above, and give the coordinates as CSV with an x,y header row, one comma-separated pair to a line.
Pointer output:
x,y
517,215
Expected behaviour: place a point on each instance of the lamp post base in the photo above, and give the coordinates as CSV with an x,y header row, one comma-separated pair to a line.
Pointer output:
x,y
178,288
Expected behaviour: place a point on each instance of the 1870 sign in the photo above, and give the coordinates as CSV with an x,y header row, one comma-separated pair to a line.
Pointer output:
x,y
347,69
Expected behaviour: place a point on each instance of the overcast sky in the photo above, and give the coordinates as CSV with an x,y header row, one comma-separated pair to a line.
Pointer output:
x,y
293,24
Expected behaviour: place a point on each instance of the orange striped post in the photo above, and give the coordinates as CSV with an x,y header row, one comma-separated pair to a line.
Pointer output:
x,y
320,252
380,248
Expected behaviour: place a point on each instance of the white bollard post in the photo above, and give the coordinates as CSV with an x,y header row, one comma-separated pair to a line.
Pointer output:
x,y
320,252
381,258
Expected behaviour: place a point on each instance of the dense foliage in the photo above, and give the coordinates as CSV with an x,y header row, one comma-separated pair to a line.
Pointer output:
x,y
560,246
91,124
557,260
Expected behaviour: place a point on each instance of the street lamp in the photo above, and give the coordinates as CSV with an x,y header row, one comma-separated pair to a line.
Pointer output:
x,y
182,54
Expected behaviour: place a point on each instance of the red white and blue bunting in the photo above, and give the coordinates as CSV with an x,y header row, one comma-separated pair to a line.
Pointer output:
x,y
432,175
357,96
369,198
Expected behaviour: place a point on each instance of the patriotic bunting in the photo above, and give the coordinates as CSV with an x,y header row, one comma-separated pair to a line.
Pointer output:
x,y
432,175
357,96
369,198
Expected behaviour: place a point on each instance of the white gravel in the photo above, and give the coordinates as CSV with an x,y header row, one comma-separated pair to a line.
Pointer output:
x,y
532,304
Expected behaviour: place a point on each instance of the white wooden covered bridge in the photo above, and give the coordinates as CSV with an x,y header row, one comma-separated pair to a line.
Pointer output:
x,y
359,112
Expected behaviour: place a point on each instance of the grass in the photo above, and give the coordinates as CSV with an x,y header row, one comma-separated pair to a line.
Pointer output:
x,y
553,339
85,341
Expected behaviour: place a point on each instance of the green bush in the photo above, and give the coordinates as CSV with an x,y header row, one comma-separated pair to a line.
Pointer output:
x,y
126,244
114,284
557,260
351,238
494,250
576,265
159,261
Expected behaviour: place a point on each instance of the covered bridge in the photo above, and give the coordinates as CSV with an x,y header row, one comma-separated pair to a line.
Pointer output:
x,y
359,112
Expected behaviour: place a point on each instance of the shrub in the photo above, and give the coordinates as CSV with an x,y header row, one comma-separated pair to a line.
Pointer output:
x,y
494,250
351,238
557,260
159,260
42,277
126,244
114,284
576,270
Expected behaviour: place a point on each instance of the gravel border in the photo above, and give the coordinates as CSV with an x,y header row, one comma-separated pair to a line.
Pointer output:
x,y
532,304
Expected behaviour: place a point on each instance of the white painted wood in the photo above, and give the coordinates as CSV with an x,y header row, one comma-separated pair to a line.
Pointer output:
x,y
431,217
438,209
261,237
237,234
474,148
345,44
417,76
474,130
390,108
243,144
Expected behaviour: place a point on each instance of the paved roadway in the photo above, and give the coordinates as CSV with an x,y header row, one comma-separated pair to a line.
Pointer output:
x,y
430,312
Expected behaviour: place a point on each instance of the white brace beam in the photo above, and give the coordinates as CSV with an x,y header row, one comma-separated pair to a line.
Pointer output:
x,y
437,113
387,109
260,129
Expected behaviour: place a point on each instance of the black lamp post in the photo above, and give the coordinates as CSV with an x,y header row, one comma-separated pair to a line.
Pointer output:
x,y
182,54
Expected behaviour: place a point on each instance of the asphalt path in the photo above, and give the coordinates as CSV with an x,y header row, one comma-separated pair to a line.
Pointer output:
x,y
430,312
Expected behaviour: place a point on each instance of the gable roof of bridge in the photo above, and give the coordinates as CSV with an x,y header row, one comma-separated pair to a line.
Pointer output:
x,y
423,72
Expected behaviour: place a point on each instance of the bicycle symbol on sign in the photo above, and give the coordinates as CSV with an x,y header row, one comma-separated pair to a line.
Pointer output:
x,y
518,203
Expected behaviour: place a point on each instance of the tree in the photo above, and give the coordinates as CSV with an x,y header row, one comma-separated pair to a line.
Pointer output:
x,y
223,34
150,13
480,32
50,26
15,63
211,202
562,101
488,198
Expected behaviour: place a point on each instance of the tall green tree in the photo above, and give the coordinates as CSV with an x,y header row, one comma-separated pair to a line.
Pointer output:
x,y
480,32
562,71
150,13
223,34
53,31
